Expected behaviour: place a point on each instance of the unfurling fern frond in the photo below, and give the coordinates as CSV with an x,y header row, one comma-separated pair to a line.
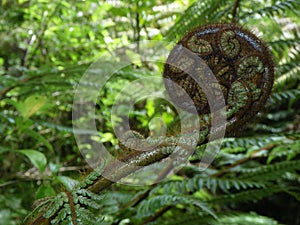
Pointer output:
x,y
252,167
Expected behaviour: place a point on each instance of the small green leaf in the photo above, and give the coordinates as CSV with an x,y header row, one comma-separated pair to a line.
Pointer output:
x,y
68,182
150,108
45,191
4,149
39,138
134,57
37,158
106,137
12,102
31,105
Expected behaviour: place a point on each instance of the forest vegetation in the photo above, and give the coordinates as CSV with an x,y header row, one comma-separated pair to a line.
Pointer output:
x,y
45,49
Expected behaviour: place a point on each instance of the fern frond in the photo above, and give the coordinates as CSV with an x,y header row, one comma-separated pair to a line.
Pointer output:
x,y
280,115
289,151
61,215
287,67
246,142
87,202
287,80
244,219
213,184
270,172
247,196
56,204
184,218
268,128
85,216
86,193
90,178
81,202
284,43
41,207
225,218
276,9
283,96
294,193
199,13
150,206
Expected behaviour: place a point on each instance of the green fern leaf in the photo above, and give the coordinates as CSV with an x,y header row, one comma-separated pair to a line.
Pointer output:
x,y
276,9
56,204
199,13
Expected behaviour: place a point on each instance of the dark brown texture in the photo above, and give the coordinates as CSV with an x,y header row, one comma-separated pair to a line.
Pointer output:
x,y
220,60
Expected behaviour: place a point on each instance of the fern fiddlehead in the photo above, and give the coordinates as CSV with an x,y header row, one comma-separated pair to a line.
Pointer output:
x,y
229,44
243,67
240,61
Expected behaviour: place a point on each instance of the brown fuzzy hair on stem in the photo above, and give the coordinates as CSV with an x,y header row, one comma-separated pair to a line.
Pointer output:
x,y
239,61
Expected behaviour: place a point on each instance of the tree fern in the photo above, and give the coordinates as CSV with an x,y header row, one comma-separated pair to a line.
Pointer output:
x,y
260,163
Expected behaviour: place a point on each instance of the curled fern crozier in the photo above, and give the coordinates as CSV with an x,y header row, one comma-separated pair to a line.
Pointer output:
x,y
241,63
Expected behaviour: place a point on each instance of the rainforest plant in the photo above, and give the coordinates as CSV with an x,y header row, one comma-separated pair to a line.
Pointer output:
x,y
251,48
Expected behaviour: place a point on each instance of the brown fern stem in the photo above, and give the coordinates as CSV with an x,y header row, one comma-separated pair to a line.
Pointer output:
x,y
234,11
72,208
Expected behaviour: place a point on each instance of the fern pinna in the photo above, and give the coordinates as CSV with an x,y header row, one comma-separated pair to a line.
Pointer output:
x,y
252,168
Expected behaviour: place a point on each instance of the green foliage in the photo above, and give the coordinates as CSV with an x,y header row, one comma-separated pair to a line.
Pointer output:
x,y
76,207
154,204
46,46
275,8
200,13
225,218
37,158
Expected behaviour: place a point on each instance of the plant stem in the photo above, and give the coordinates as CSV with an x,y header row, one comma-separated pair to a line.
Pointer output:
x,y
234,11
115,170
120,169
